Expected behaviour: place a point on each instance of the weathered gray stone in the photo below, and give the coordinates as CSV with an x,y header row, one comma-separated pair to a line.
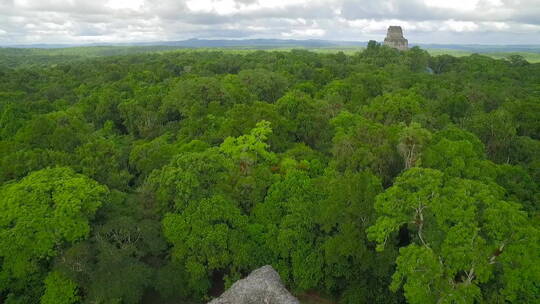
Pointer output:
x,y
394,38
262,286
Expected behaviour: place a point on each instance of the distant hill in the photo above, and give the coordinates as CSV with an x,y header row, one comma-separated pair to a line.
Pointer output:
x,y
483,48
210,43
289,43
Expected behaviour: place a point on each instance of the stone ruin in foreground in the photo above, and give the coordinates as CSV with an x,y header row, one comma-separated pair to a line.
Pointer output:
x,y
262,286
394,38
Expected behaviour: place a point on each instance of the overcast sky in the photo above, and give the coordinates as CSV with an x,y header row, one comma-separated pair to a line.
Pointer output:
x,y
423,21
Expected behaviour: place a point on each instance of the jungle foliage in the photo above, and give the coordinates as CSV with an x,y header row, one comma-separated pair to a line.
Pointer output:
x,y
377,177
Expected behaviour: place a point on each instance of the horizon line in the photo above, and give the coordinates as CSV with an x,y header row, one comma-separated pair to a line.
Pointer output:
x,y
161,42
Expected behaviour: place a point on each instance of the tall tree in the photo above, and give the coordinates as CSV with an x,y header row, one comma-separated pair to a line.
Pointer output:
x,y
42,213
464,236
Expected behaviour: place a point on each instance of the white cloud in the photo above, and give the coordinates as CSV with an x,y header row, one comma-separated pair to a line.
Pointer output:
x,y
501,26
459,5
459,26
220,7
229,7
305,33
125,4
439,21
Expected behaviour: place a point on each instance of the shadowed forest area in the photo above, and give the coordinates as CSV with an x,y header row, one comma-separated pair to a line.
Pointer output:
x,y
376,176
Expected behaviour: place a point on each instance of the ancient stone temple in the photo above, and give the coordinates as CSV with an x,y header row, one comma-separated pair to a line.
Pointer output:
x,y
394,38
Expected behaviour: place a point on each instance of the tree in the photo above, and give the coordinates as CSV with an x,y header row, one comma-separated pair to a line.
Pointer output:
x,y
59,290
42,213
394,108
526,114
465,236
147,156
372,47
442,63
12,117
237,123
305,118
458,159
251,148
118,276
417,59
517,60
287,231
345,212
268,86
209,235
116,264
190,176
102,106
361,144
62,131
412,141
19,162
352,92
251,174
519,186
105,160
196,97
141,116
497,130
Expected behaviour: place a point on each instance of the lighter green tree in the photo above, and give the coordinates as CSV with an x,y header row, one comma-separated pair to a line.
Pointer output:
x,y
43,211
464,235
41,215
59,290
251,148
209,235
412,141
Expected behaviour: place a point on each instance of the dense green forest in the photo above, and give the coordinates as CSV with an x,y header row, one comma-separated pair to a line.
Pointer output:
x,y
375,177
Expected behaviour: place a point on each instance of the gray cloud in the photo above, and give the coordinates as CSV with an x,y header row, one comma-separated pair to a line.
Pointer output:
x,y
437,21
